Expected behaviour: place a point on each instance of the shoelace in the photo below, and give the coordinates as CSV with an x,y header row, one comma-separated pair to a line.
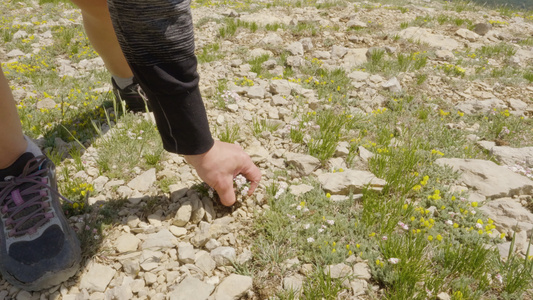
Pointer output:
x,y
22,198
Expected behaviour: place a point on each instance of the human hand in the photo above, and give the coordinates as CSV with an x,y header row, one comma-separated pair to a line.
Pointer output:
x,y
218,166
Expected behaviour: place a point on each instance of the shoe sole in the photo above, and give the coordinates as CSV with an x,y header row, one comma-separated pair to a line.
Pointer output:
x,y
48,280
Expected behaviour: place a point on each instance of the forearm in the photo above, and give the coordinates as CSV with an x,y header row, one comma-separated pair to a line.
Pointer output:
x,y
157,39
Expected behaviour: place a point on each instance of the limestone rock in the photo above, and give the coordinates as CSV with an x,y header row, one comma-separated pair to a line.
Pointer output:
x,y
281,87
144,181
127,242
422,35
361,271
482,28
293,283
304,164
489,179
162,239
392,85
508,214
233,287
186,253
183,215
223,256
358,75
46,103
300,189
338,271
295,48
205,263
467,34
97,277
192,288
350,181
508,155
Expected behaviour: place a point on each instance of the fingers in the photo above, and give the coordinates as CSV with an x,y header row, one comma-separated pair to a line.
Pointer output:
x,y
226,192
253,174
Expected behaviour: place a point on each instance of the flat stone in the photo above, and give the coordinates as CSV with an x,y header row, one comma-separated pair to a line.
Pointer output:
x,y
256,92
233,287
191,288
280,87
358,76
177,231
183,215
97,277
508,155
508,215
489,179
127,242
392,85
359,287
300,189
293,283
162,239
205,263
186,253
445,54
15,53
46,103
361,271
223,256
338,271
304,164
355,181
295,48
423,35
467,34
144,181
482,28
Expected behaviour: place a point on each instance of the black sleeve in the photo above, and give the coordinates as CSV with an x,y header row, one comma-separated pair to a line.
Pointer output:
x,y
157,39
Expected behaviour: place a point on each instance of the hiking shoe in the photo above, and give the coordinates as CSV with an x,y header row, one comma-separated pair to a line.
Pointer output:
x,y
38,248
132,96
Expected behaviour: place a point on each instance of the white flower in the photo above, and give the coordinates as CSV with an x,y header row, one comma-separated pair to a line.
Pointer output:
x,y
473,212
306,226
305,210
479,226
310,239
320,230
449,222
393,260
244,191
291,216
330,222
499,278
384,238
403,225
299,207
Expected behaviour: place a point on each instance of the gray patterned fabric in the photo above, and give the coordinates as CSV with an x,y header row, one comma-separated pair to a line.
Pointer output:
x,y
163,26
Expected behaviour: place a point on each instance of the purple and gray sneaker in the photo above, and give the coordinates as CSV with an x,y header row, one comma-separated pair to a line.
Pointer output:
x,y
38,248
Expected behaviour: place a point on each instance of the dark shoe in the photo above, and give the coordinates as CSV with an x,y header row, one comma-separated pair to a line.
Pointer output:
x,y
38,248
131,95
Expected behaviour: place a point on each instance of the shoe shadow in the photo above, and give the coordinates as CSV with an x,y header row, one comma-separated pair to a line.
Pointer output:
x,y
99,225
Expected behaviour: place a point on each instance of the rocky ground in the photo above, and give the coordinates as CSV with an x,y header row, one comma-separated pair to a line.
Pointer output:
x,y
182,245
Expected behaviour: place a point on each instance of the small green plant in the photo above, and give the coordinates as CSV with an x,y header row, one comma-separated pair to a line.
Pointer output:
x,y
528,75
209,53
260,126
230,134
231,26
257,62
320,285
496,51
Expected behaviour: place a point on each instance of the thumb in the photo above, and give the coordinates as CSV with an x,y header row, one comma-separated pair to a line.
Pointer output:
x,y
226,192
